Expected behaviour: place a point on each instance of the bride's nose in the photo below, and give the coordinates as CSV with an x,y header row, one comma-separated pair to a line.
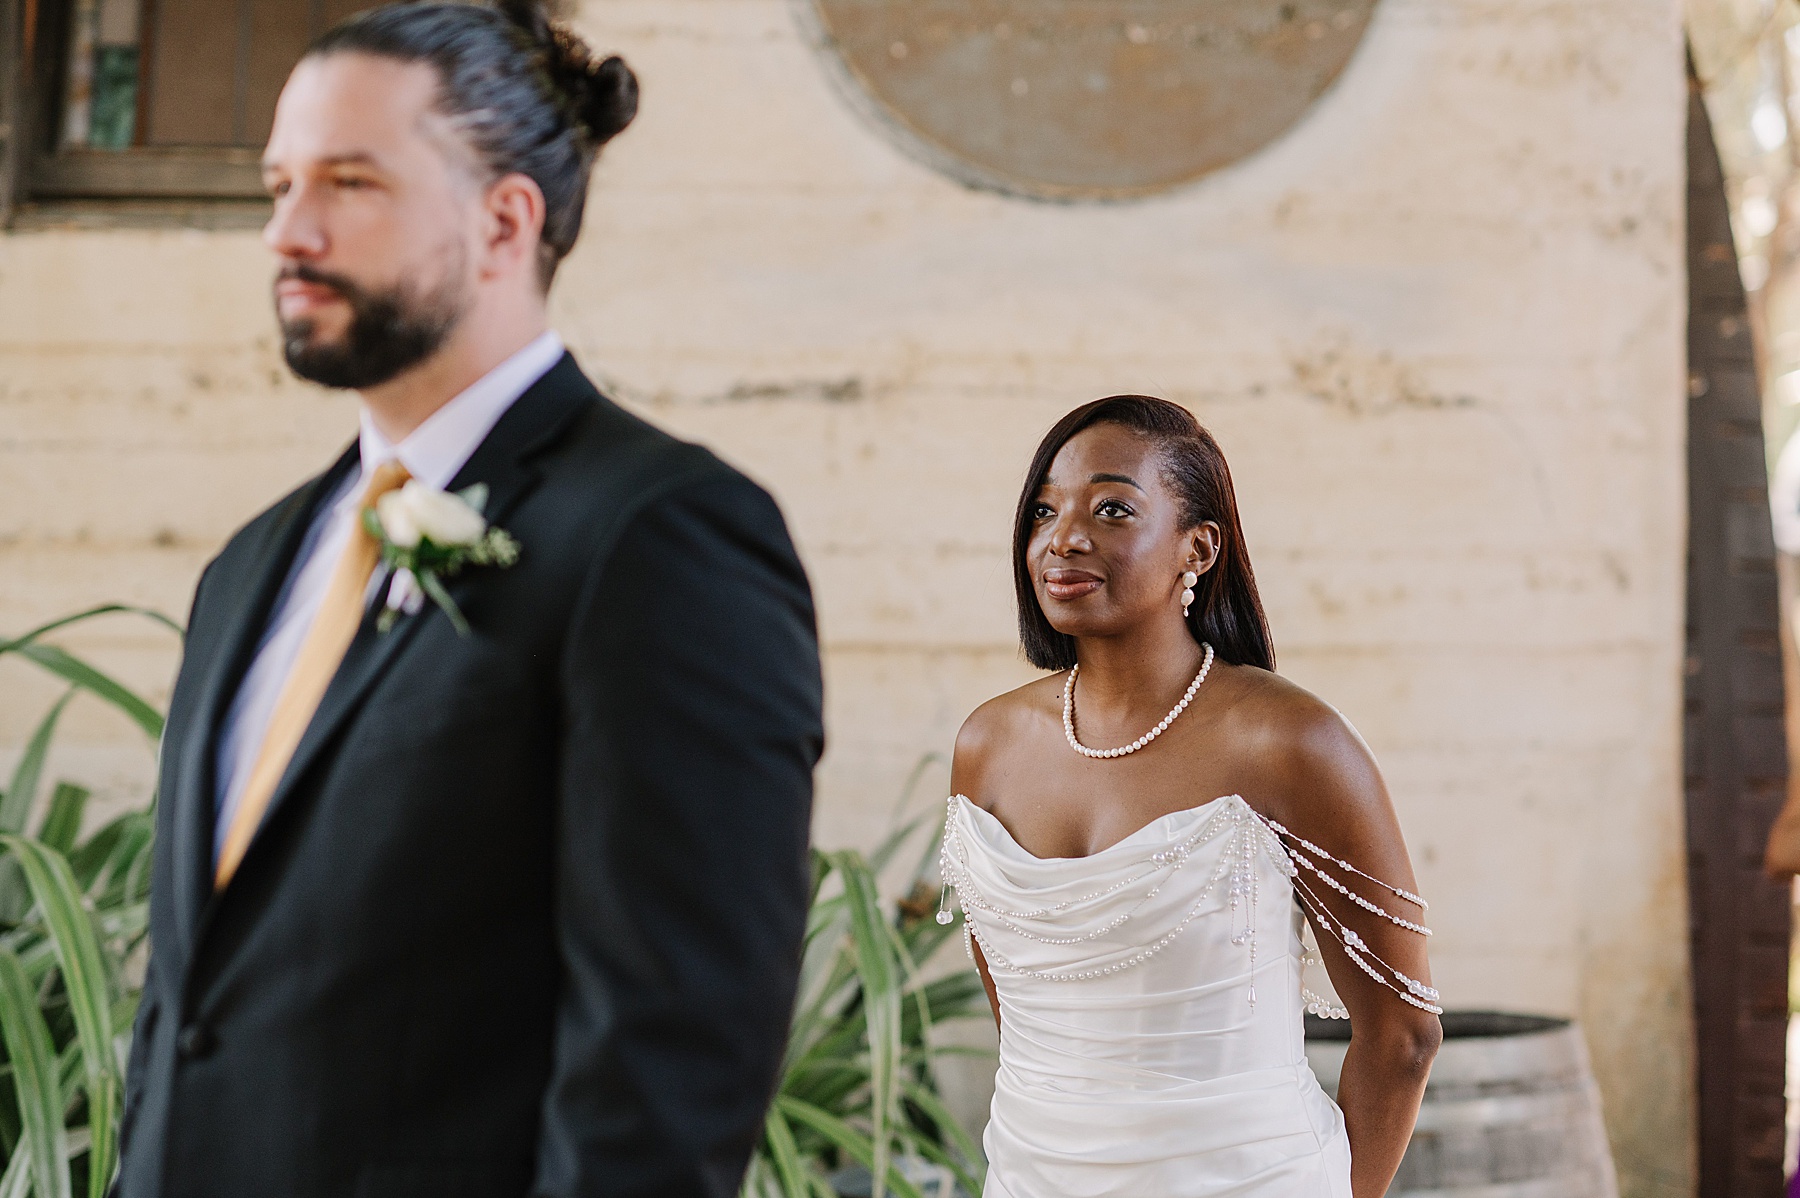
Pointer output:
x,y
1068,537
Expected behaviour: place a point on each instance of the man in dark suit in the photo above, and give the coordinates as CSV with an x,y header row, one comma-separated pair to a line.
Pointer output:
x,y
494,889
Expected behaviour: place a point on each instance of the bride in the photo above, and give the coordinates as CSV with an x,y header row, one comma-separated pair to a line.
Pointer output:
x,y
1139,934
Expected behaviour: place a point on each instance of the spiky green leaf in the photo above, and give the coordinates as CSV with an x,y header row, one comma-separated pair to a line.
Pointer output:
x,y
67,666
16,1181
105,609
27,774
859,1147
785,1154
882,978
62,821
87,983
927,1101
40,1098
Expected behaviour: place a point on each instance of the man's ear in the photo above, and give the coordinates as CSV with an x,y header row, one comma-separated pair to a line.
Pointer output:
x,y
515,225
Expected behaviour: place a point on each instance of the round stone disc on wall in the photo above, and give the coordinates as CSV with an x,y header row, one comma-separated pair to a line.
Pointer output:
x,y
1088,99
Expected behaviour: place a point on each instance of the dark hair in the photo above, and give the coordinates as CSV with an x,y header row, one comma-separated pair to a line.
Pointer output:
x,y
1226,612
523,92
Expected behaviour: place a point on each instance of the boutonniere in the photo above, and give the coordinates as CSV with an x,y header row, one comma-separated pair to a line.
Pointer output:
x,y
426,536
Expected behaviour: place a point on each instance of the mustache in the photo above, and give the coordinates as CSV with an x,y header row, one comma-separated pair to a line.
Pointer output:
x,y
303,273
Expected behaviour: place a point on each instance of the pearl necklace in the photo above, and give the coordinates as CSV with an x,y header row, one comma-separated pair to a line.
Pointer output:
x,y
1140,742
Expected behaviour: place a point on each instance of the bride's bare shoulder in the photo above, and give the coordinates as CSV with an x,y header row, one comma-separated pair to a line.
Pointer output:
x,y
1303,749
1275,707
1003,722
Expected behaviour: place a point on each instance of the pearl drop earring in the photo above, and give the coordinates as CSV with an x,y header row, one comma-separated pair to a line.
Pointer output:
x,y
1187,590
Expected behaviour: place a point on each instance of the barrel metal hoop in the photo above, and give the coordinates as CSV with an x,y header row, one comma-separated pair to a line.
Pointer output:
x,y
1567,1185
1558,1106
1549,1055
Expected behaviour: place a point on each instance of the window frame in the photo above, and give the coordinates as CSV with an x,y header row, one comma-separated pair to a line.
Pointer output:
x,y
34,169
146,173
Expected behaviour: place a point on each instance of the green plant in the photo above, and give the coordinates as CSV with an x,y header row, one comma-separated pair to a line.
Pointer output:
x,y
858,1080
72,911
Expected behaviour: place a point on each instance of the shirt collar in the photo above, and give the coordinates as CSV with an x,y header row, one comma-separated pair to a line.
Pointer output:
x,y
438,448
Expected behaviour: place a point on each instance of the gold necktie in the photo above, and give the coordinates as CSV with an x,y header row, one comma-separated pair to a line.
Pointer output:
x,y
340,614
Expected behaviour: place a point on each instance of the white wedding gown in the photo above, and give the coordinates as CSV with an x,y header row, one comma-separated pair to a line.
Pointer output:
x,y
1150,1013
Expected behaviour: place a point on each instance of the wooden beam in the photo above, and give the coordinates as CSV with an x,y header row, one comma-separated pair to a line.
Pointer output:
x,y
150,173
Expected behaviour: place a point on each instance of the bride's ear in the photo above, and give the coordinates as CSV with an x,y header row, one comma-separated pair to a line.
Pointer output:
x,y
1205,545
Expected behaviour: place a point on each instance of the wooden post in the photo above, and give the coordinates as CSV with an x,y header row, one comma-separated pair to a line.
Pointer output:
x,y
13,66
1734,734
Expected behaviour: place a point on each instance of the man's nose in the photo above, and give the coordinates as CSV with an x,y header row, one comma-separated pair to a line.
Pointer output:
x,y
295,228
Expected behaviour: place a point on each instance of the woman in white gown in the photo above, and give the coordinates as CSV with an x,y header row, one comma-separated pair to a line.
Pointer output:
x,y
1136,910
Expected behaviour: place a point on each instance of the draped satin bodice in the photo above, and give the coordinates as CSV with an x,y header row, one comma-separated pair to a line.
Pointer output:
x,y
1151,1013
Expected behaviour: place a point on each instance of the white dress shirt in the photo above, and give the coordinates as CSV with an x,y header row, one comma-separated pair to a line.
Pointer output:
x,y
432,454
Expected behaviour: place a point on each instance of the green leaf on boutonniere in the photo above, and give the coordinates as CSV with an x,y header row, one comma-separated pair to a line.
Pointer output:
x,y
430,584
475,496
496,548
372,525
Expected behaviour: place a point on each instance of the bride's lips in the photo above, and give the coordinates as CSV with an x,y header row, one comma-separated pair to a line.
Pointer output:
x,y
1071,584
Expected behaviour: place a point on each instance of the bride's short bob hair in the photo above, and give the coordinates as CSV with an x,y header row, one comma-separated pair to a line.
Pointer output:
x,y
1226,612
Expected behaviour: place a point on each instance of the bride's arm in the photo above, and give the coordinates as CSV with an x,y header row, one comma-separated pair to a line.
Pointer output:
x,y
987,981
1330,792
967,762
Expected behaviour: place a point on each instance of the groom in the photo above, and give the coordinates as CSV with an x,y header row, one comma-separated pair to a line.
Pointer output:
x,y
500,913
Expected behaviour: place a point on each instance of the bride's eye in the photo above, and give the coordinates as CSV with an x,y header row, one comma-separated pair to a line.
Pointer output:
x,y
1113,507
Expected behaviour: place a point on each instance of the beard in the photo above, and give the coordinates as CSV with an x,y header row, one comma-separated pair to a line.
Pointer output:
x,y
390,331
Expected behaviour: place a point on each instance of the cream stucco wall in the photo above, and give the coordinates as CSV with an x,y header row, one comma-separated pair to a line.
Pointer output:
x,y
1438,329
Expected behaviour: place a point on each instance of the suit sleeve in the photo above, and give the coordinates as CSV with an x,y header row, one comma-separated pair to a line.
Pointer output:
x,y
691,727
150,999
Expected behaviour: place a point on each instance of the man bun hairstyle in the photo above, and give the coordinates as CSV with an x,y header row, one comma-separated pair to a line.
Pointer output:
x,y
1227,612
522,90
601,94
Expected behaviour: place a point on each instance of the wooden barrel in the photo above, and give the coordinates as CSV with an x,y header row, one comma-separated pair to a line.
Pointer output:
x,y
1511,1110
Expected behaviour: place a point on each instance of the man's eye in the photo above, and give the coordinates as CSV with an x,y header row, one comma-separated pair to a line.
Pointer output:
x,y
352,184
277,190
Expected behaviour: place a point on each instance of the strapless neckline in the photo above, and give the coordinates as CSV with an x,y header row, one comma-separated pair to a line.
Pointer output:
x,y
992,822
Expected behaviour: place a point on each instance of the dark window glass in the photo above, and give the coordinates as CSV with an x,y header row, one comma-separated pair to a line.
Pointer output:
x,y
99,103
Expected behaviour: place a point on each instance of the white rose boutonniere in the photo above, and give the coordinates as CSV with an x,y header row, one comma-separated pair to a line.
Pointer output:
x,y
426,536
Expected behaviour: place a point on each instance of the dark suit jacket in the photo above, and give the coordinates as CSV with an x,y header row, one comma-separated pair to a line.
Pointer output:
x,y
524,915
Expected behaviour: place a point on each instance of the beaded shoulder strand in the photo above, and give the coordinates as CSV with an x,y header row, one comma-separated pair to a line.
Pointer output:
x,y
1409,990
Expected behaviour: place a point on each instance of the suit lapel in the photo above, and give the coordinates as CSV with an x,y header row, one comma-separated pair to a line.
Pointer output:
x,y
266,570
502,461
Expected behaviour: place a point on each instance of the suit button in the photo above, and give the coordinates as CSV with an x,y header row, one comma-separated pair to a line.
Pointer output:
x,y
195,1042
